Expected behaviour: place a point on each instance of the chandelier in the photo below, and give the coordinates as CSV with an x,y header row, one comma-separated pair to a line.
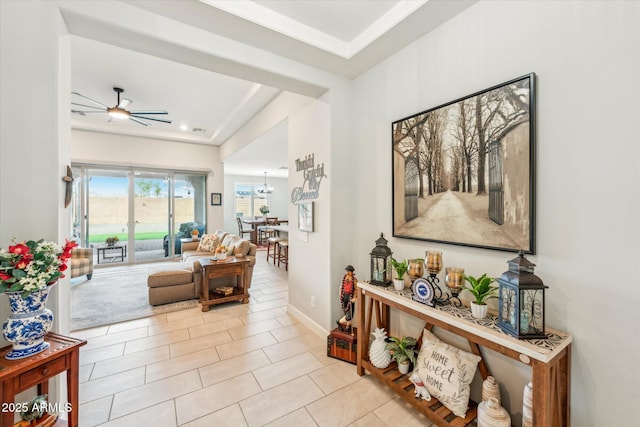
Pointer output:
x,y
265,189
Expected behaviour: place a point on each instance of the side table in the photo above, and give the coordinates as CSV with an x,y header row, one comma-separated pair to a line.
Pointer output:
x,y
18,375
229,267
122,248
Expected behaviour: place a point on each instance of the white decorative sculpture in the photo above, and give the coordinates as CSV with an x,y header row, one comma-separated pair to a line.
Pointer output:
x,y
378,353
420,389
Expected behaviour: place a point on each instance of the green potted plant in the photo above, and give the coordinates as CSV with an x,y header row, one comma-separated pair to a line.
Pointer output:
x,y
403,351
264,209
482,290
111,241
400,268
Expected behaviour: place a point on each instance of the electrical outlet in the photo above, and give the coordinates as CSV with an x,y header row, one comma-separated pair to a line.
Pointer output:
x,y
313,302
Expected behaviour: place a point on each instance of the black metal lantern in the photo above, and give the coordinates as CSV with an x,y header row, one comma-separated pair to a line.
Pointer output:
x,y
381,263
521,306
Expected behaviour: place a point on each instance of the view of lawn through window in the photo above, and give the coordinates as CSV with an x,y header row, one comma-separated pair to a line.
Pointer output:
x,y
144,209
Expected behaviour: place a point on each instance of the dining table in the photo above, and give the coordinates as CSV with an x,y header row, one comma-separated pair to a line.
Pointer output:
x,y
258,222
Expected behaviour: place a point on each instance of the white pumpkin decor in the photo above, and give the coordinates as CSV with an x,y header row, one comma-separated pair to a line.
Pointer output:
x,y
378,353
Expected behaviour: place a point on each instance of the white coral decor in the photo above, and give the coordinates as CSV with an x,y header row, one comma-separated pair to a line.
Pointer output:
x,y
378,353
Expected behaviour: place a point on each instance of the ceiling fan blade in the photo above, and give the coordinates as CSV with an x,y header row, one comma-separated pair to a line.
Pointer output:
x,y
138,121
123,103
88,106
149,112
80,111
149,118
94,101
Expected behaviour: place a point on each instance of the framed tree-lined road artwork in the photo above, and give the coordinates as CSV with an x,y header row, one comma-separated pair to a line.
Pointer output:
x,y
463,172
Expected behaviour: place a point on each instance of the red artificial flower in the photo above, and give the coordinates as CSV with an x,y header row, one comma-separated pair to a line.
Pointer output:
x,y
66,251
22,263
62,267
19,249
4,276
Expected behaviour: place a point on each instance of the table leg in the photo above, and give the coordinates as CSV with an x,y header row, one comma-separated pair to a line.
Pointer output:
x,y
73,381
241,283
204,291
362,329
8,395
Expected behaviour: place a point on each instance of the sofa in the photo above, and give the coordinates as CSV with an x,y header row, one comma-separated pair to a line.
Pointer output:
x,y
182,281
81,262
236,245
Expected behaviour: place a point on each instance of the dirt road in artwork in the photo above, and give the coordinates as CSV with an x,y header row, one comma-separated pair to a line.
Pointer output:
x,y
456,217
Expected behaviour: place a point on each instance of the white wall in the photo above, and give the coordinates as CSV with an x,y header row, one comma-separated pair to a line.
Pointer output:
x,y
310,260
34,82
277,200
112,149
587,59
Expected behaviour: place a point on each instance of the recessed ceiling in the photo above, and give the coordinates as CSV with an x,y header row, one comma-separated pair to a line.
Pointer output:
x,y
194,98
342,37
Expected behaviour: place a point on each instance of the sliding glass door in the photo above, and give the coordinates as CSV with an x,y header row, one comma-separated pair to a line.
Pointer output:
x,y
151,214
134,215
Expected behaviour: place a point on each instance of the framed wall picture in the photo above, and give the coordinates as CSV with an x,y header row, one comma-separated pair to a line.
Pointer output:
x,y
464,172
216,199
305,216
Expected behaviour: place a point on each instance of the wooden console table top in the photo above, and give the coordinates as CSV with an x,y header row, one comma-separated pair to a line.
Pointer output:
x,y
543,350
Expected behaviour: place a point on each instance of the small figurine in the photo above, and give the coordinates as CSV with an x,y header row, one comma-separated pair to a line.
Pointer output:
x,y
35,408
420,390
347,298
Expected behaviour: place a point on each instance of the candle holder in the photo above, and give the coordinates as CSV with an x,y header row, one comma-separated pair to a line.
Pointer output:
x,y
415,269
433,264
454,279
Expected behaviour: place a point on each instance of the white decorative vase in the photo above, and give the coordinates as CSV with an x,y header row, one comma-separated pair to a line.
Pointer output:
x,y
28,323
527,406
491,414
398,284
404,368
490,388
378,354
479,311
221,256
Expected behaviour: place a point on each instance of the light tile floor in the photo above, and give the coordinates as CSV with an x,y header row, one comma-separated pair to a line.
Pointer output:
x,y
236,365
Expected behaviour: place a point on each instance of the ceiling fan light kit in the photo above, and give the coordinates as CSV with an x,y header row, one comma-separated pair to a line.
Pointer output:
x,y
119,111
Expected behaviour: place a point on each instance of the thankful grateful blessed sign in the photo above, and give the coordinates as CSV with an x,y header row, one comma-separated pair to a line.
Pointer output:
x,y
313,175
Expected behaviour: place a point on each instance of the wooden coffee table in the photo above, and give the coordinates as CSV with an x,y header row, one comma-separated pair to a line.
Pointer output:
x,y
229,267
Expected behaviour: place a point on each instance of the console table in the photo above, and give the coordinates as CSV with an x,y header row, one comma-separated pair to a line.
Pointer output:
x,y
549,359
229,267
22,374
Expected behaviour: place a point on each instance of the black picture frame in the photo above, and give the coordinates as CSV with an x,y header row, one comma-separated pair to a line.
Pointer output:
x,y
464,171
216,199
305,216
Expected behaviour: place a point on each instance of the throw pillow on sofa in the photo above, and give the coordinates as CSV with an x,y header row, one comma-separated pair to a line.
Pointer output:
x,y
208,243
241,247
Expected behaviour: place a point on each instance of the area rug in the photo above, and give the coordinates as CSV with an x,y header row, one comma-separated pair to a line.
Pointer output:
x,y
115,295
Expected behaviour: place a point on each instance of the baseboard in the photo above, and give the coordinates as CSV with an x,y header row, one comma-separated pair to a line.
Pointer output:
x,y
306,321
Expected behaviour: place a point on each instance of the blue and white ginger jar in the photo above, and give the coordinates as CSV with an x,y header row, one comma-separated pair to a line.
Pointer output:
x,y
28,324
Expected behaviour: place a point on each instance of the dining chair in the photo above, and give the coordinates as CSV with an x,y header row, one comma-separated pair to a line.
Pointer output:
x,y
266,231
242,231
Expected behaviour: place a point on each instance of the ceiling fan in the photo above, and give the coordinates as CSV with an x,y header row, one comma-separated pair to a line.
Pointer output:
x,y
119,111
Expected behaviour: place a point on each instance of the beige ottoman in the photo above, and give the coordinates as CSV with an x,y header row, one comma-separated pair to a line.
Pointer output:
x,y
171,283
